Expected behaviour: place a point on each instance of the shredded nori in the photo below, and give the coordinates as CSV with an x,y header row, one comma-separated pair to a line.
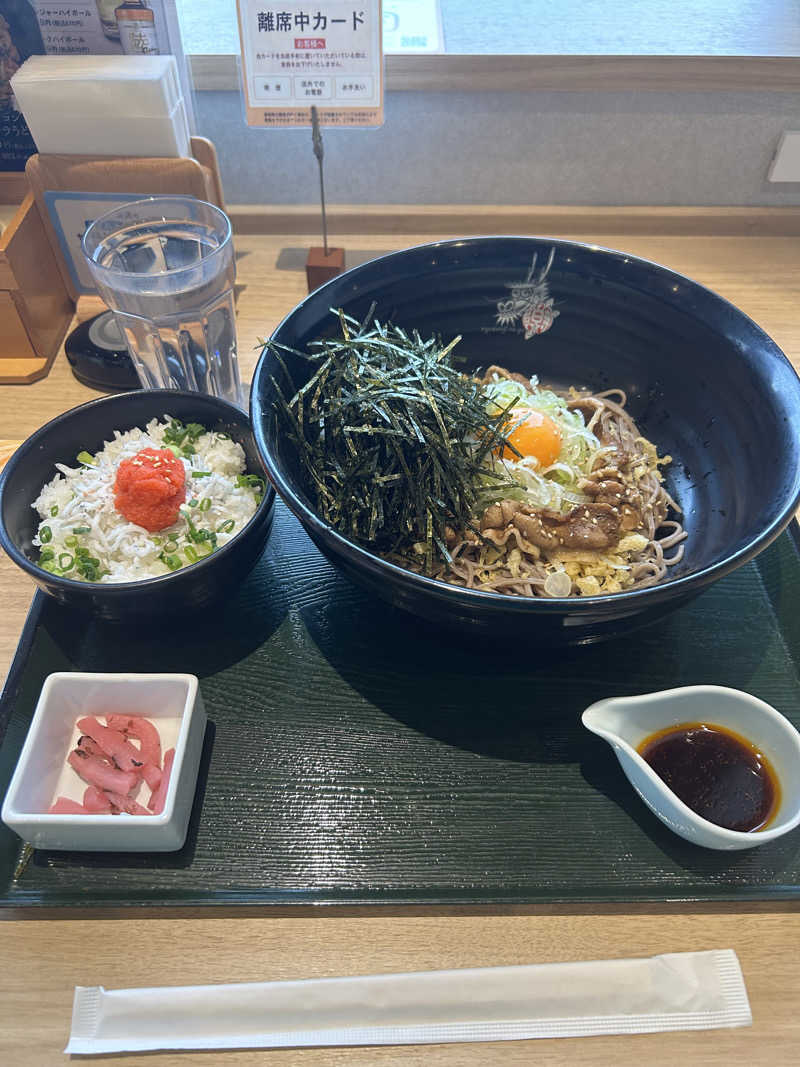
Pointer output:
x,y
392,439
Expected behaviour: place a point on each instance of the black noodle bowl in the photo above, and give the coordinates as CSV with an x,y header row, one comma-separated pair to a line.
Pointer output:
x,y
703,382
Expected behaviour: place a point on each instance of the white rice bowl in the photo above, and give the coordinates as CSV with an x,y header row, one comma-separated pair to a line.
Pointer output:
x,y
83,496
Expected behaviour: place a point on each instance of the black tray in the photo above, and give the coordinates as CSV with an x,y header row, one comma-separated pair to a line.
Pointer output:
x,y
356,755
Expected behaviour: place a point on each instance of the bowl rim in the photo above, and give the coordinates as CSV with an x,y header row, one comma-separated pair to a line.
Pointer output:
x,y
117,589
604,604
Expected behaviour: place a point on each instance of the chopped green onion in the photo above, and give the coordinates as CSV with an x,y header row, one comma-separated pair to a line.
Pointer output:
x,y
226,527
191,554
171,561
157,540
88,567
174,433
250,481
65,556
171,545
187,452
70,541
194,430
85,457
81,529
81,551
175,451
45,535
200,537
46,554
223,437
193,503
54,511
201,474
205,503
49,566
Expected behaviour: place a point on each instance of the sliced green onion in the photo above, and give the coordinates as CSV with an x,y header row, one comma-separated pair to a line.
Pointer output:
x,y
174,433
202,536
49,566
171,561
81,529
45,535
223,437
81,551
201,474
192,503
205,503
46,554
191,554
87,566
250,481
85,457
65,561
70,541
54,511
157,540
226,527
171,545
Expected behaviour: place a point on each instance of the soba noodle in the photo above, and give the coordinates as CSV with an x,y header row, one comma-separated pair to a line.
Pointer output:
x,y
502,559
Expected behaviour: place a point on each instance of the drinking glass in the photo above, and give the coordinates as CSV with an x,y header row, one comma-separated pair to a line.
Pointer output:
x,y
165,267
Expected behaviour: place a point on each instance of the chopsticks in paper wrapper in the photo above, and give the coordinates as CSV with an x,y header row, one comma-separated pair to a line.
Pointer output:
x,y
675,991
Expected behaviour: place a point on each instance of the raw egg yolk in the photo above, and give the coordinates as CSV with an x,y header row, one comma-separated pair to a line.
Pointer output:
x,y
150,488
533,434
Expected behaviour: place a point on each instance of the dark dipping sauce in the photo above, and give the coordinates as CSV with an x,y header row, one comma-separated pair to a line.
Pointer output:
x,y
715,772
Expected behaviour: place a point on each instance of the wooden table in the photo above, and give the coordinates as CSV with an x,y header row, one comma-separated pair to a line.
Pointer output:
x,y
43,959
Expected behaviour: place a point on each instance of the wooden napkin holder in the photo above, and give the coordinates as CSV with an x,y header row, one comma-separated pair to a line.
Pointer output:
x,y
38,296
35,306
197,175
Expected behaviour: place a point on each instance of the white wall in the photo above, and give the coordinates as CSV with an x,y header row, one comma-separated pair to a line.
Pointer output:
x,y
519,148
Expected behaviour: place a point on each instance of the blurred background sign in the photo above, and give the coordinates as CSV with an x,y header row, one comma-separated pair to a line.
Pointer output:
x,y
20,37
412,26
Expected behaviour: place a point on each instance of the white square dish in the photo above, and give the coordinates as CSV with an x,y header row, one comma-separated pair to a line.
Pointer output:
x,y
171,701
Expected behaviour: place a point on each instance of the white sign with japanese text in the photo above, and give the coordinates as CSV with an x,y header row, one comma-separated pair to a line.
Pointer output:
x,y
299,55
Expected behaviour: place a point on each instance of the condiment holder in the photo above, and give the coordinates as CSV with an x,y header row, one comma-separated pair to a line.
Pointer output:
x,y
626,722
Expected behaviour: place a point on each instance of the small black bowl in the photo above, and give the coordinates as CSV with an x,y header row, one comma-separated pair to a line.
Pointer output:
x,y
704,383
86,428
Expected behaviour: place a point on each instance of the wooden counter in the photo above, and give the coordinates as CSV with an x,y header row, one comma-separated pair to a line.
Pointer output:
x,y
45,958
